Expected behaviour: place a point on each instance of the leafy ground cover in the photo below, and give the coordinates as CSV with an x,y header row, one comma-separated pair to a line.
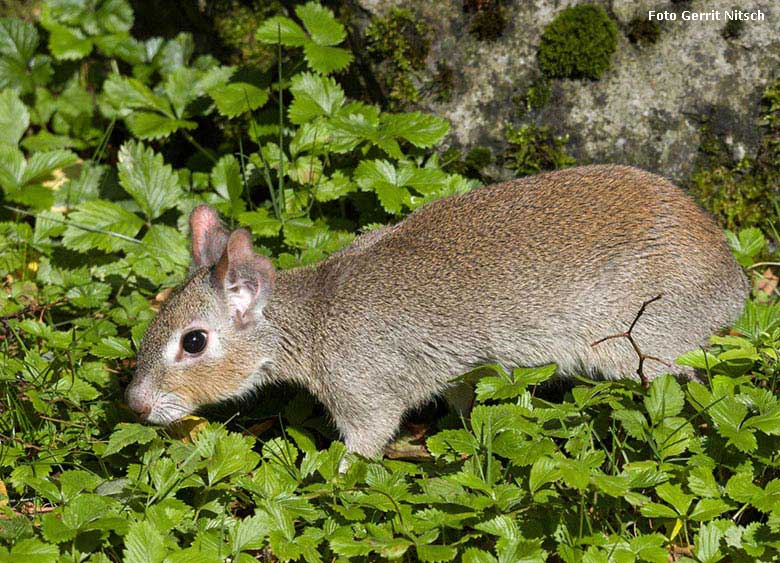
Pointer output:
x,y
108,141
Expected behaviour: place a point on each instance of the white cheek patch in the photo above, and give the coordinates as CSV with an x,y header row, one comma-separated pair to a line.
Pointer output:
x,y
171,352
214,348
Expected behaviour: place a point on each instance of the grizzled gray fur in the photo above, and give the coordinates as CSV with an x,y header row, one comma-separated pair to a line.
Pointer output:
x,y
521,274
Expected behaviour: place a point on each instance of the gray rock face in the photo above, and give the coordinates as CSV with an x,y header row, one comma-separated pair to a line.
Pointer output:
x,y
647,110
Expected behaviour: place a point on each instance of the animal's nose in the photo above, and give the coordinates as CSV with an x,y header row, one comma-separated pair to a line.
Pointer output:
x,y
144,411
139,403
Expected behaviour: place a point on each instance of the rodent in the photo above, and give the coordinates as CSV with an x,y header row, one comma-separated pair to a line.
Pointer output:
x,y
522,273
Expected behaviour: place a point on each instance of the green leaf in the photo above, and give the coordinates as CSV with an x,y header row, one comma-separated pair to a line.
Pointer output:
x,y
768,423
708,509
18,64
461,441
381,177
114,16
12,165
68,43
281,29
699,359
101,225
168,514
129,93
672,436
304,233
41,165
144,544
126,434
226,179
502,526
121,46
151,182
14,117
175,53
743,439
664,399
260,222
543,471
181,87
748,244
741,488
655,510
436,552
634,423
418,128
504,386
250,533
232,454
74,482
321,24
674,495
707,543
33,551
336,186
306,170
113,347
18,39
313,96
701,482
474,555
238,97
326,59
150,125
166,246
89,296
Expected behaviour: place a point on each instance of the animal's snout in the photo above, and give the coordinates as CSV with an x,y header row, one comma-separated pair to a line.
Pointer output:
x,y
139,401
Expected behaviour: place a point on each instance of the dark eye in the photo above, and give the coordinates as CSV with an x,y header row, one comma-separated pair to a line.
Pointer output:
x,y
194,341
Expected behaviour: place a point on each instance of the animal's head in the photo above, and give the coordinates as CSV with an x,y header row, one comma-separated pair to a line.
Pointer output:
x,y
210,340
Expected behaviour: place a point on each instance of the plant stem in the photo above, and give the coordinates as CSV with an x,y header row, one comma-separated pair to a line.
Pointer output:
x,y
281,118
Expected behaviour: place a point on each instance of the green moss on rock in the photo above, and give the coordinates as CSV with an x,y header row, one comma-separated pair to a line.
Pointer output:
x,y
745,193
536,96
578,43
400,42
443,82
534,149
488,19
733,29
472,165
643,31
29,10
236,23
737,197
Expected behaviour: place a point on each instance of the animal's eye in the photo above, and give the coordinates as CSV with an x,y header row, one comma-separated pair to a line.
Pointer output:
x,y
194,341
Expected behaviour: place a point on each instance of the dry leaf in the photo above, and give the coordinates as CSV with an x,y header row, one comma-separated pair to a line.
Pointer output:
x,y
259,428
159,299
767,283
186,428
404,447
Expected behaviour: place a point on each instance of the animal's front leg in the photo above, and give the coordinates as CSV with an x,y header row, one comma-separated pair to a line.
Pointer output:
x,y
368,429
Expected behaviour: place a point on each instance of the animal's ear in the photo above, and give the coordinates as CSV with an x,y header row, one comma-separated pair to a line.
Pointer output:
x,y
209,237
246,277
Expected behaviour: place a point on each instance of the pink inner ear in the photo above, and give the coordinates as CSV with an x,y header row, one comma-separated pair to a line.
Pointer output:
x,y
247,277
208,236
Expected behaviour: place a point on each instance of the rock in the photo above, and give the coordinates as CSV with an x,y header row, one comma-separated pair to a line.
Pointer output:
x,y
646,110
